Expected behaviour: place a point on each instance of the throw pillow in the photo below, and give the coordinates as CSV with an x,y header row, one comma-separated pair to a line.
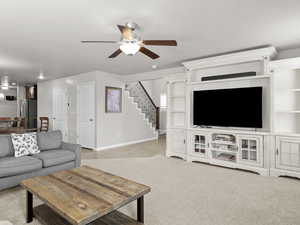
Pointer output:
x,y
25,144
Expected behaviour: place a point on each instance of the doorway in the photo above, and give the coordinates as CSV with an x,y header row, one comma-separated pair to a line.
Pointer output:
x,y
86,134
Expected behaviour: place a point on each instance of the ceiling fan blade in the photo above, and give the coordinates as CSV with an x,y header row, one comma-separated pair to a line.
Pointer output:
x,y
149,53
126,32
115,54
121,28
99,41
160,42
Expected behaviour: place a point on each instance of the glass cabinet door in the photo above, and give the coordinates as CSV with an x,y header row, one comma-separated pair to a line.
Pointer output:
x,y
250,150
200,144
253,150
245,149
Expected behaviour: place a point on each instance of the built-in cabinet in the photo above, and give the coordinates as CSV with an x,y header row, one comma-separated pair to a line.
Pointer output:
x,y
273,149
286,117
199,145
176,142
251,150
176,115
220,147
176,119
288,153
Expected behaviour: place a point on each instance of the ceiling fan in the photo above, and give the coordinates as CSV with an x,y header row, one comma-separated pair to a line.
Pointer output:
x,y
131,42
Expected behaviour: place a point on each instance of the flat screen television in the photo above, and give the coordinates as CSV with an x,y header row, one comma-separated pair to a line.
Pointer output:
x,y
238,107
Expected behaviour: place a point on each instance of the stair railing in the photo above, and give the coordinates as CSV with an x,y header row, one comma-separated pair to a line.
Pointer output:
x,y
145,102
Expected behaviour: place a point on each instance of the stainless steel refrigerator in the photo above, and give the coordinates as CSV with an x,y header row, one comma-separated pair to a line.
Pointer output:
x,y
28,110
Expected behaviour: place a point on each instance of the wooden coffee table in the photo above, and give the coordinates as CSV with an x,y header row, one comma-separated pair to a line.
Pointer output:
x,y
83,196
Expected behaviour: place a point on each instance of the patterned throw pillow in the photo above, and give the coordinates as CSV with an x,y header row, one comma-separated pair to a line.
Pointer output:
x,y
25,144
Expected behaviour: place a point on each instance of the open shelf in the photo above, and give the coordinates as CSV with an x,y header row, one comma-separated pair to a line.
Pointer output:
x,y
177,127
177,111
176,105
288,111
224,150
286,101
177,89
223,143
178,96
224,156
295,89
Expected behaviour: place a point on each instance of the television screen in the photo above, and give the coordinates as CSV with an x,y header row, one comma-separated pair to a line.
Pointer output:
x,y
239,107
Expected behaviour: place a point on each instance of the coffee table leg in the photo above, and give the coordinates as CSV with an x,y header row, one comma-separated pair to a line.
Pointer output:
x,y
140,209
29,209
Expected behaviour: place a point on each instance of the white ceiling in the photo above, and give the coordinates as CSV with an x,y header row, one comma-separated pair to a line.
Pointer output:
x,y
46,34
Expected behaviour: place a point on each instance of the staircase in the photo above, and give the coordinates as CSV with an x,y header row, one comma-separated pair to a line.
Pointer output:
x,y
144,102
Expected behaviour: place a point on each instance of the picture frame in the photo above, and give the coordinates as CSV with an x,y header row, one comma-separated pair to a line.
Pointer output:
x,y
113,100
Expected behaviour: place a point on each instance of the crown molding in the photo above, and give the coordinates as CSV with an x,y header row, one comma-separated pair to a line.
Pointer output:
x,y
291,63
233,58
152,75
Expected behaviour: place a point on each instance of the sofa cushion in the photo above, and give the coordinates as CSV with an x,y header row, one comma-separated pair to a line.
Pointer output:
x,y
10,166
55,157
6,146
49,140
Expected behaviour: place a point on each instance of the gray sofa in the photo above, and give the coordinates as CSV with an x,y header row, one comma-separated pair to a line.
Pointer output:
x,y
55,155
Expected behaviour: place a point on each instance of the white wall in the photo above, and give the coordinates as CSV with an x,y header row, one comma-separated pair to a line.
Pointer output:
x,y
8,108
111,128
45,101
128,126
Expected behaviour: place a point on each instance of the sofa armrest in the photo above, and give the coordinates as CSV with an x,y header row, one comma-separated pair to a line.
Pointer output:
x,y
74,148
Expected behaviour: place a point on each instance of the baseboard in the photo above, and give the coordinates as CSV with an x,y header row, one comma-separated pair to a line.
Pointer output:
x,y
279,172
125,144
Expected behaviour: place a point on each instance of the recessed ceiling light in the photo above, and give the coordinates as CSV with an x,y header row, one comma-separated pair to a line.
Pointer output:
x,y
13,83
41,76
154,67
4,87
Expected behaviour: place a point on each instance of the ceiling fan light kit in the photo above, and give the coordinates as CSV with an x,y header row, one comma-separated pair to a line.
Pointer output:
x,y
130,48
131,42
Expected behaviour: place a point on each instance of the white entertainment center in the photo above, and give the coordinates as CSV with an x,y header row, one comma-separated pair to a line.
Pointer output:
x,y
273,149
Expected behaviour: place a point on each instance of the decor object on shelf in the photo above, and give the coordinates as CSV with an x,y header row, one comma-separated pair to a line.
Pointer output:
x,y
113,100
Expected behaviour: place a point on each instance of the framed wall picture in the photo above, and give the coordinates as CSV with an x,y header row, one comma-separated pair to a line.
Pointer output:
x,y
113,100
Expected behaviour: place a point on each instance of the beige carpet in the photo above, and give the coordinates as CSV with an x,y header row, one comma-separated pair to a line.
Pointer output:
x,y
191,193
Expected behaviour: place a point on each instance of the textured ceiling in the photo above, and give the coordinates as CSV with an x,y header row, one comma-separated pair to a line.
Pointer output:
x,y
45,35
